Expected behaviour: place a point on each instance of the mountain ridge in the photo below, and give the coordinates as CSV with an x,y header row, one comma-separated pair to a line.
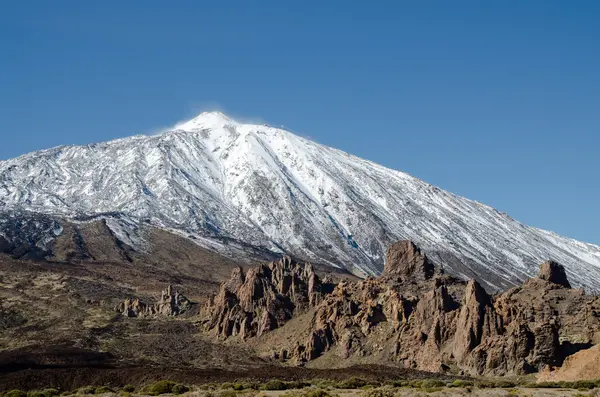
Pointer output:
x,y
214,177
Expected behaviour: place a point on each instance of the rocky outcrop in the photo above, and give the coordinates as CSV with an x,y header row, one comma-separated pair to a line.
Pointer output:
x,y
477,321
554,273
413,315
171,303
420,318
263,299
405,260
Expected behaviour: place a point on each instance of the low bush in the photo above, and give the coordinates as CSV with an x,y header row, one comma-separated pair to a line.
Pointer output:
x,y
432,383
398,383
180,389
548,385
324,383
129,388
351,383
415,383
504,384
584,384
161,387
86,390
15,393
104,389
296,385
274,384
461,383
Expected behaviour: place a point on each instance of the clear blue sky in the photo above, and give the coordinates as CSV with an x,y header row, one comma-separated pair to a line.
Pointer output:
x,y
498,101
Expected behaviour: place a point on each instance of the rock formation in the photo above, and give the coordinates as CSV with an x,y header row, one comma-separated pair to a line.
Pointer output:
x,y
263,299
554,273
413,315
404,259
171,303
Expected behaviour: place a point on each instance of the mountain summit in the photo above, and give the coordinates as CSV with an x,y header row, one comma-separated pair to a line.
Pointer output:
x,y
220,181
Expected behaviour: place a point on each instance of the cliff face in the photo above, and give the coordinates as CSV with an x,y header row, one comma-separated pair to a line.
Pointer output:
x,y
413,315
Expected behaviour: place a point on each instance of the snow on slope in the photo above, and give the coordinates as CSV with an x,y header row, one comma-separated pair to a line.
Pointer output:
x,y
214,177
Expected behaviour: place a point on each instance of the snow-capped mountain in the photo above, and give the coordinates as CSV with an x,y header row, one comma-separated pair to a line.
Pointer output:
x,y
217,179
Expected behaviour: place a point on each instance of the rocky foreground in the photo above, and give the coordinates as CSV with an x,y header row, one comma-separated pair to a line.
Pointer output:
x,y
65,321
414,315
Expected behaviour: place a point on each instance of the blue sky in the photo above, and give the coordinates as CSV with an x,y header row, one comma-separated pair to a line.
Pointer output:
x,y
498,101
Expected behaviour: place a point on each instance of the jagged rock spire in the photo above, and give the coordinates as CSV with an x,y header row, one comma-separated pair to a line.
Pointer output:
x,y
405,259
555,273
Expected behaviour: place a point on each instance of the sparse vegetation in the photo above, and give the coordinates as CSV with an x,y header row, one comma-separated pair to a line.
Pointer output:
x,y
228,393
274,384
352,383
160,387
461,383
356,387
180,389
386,391
15,393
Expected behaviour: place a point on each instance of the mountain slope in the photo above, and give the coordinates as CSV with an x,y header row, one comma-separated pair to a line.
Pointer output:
x,y
215,178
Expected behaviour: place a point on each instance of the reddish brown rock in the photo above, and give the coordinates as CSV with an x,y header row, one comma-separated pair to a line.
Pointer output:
x,y
413,315
405,259
171,303
554,273
263,299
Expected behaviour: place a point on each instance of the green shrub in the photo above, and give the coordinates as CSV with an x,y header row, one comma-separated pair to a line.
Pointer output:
x,y
324,383
227,385
485,384
180,389
296,385
505,384
161,387
432,383
352,383
86,390
43,393
461,383
129,388
397,383
415,383
104,389
15,393
274,385
584,384
247,386
548,385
